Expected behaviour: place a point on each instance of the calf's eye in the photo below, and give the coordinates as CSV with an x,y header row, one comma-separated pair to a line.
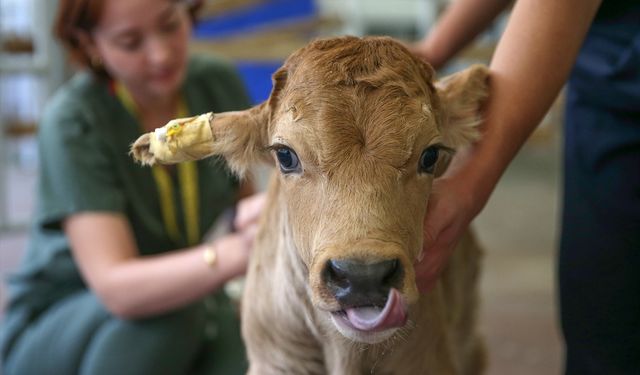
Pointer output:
x,y
288,160
428,159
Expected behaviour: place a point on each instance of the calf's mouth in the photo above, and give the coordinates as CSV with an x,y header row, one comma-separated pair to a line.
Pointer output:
x,y
393,314
370,306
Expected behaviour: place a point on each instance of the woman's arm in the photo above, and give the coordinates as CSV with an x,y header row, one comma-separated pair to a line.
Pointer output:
x,y
462,21
531,63
133,286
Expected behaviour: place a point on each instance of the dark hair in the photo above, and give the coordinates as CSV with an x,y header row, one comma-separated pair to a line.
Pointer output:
x,y
82,16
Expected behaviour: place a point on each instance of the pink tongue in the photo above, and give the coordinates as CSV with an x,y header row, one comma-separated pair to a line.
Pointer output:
x,y
393,314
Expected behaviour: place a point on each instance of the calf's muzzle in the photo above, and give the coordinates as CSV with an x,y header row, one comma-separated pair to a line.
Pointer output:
x,y
357,283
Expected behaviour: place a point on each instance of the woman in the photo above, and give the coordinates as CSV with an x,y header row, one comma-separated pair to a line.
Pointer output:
x,y
116,279
596,44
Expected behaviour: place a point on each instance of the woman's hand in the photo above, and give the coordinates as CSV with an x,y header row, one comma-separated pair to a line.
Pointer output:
x,y
448,216
454,201
234,249
249,211
233,252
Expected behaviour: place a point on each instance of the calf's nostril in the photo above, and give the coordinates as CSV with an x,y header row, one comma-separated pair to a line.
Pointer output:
x,y
392,273
355,283
336,273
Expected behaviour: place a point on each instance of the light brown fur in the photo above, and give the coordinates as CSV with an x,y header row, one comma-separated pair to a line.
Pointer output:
x,y
358,113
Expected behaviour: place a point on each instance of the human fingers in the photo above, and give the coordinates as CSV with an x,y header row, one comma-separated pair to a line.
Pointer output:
x,y
435,253
430,267
438,238
249,210
438,216
249,233
443,229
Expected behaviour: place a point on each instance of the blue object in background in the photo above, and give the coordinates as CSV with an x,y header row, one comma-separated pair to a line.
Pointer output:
x,y
266,13
257,78
251,19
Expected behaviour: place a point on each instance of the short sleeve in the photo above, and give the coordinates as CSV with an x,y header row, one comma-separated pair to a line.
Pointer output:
x,y
77,173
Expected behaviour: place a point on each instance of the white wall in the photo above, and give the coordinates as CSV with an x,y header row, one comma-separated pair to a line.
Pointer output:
x,y
359,16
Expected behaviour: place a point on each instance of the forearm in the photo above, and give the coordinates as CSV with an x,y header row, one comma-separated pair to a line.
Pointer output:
x,y
149,285
461,22
131,285
531,64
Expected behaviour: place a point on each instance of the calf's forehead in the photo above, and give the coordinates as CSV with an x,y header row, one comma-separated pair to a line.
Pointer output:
x,y
363,97
337,124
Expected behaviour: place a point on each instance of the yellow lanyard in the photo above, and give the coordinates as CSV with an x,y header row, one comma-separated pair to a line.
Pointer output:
x,y
187,178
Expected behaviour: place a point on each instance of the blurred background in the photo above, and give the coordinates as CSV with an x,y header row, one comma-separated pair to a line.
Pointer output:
x,y
517,228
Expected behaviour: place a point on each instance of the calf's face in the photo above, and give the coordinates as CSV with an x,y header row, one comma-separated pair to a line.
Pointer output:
x,y
358,131
356,166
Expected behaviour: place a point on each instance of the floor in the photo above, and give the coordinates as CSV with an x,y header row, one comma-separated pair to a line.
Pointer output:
x,y
518,231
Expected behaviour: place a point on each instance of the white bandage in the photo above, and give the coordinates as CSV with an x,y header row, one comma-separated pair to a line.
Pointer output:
x,y
183,139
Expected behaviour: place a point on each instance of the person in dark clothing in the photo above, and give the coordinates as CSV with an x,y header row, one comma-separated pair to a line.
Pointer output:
x,y
596,46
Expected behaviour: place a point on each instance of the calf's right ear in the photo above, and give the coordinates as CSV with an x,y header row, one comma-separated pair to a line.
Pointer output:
x,y
238,136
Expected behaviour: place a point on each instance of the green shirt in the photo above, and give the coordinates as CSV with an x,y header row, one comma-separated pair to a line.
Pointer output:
x,y
84,140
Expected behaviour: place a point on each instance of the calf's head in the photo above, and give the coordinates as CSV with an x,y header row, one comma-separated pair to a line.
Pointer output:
x,y
358,130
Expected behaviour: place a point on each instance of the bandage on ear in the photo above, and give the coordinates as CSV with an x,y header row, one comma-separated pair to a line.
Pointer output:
x,y
179,140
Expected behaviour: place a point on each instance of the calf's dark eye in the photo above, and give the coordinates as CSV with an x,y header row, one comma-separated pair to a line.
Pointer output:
x,y
428,159
288,160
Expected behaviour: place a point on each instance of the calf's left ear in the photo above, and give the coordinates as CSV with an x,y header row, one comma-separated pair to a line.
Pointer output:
x,y
461,97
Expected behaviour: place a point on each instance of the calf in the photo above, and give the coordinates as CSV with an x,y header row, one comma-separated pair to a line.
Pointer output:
x,y
357,130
